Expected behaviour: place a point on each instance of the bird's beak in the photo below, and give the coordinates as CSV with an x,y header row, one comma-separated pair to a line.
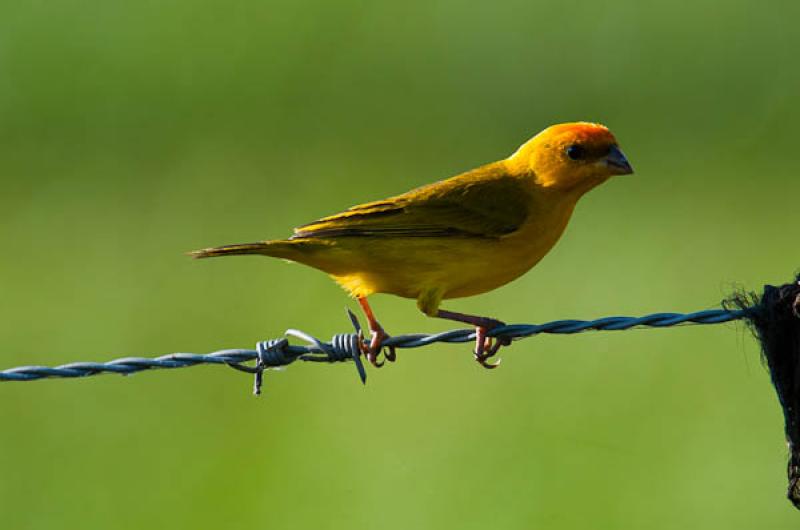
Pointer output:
x,y
617,163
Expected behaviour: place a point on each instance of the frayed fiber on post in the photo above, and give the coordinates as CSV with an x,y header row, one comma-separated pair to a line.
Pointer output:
x,y
774,318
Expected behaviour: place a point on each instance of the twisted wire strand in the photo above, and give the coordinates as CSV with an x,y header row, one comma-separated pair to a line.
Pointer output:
x,y
345,347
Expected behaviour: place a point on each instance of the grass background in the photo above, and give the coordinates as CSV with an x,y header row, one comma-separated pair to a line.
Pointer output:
x,y
131,132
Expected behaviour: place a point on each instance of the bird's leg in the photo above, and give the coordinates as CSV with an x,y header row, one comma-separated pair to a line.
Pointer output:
x,y
485,347
377,336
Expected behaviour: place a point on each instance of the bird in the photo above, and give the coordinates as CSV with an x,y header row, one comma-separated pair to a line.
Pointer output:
x,y
458,237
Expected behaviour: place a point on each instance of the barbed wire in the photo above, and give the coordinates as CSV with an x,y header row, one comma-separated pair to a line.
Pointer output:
x,y
773,316
345,347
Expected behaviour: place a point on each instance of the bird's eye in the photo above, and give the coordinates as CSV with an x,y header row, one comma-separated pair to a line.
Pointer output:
x,y
575,152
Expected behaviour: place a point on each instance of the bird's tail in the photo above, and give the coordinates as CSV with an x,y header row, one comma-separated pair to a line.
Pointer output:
x,y
277,249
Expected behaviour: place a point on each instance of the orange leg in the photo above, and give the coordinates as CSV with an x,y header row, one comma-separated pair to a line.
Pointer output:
x,y
485,347
377,336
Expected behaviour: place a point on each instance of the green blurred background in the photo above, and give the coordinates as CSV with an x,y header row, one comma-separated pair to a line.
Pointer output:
x,y
131,132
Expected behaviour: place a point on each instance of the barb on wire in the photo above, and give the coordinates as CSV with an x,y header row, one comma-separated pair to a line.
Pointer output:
x,y
345,347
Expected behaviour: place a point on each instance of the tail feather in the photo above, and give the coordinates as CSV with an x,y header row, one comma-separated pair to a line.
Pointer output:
x,y
262,247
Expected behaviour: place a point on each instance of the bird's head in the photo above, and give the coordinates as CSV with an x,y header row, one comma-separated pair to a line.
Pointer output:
x,y
571,156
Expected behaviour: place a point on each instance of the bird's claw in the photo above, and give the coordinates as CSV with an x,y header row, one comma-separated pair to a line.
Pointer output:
x,y
487,347
373,348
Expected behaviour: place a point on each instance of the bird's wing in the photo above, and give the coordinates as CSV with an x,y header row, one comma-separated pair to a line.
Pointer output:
x,y
486,202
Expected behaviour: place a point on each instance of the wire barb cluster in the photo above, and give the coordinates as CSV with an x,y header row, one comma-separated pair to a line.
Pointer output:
x,y
345,347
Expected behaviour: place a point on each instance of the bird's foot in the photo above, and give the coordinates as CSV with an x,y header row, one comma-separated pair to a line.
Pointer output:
x,y
378,335
373,348
487,347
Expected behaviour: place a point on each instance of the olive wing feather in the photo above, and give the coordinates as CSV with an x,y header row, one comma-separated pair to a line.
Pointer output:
x,y
486,202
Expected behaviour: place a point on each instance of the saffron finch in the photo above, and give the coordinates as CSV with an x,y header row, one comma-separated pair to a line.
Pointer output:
x,y
458,237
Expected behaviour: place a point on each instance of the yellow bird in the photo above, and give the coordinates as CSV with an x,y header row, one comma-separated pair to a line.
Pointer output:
x,y
462,236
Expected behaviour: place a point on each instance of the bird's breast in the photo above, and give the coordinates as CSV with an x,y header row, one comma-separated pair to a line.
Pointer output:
x,y
456,266
492,263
